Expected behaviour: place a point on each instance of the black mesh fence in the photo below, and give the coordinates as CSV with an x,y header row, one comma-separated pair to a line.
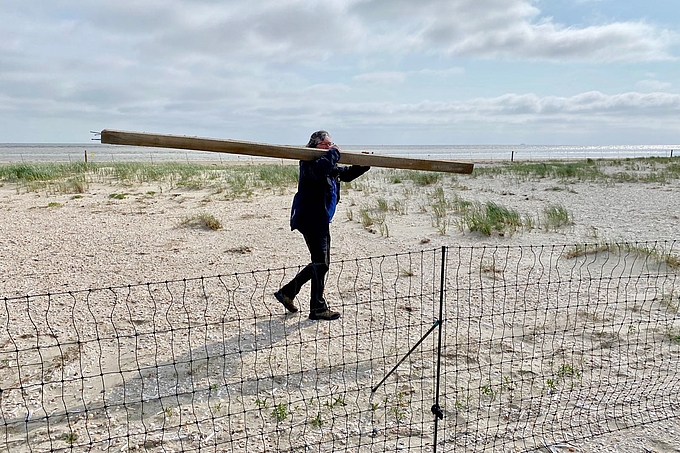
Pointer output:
x,y
461,348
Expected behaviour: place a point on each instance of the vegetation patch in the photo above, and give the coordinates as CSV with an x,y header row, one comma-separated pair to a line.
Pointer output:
x,y
203,220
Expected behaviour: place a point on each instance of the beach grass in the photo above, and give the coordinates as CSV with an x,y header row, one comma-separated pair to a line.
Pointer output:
x,y
645,251
491,217
235,178
644,169
232,180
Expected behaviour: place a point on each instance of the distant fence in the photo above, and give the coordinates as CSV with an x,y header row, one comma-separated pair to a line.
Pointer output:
x,y
474,349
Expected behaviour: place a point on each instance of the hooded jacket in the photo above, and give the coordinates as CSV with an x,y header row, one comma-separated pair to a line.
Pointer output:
x,y
319,192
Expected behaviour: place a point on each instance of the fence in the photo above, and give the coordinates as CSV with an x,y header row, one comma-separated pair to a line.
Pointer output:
x,y
462,348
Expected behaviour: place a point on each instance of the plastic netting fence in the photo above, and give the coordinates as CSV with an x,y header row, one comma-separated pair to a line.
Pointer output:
x,y
514,347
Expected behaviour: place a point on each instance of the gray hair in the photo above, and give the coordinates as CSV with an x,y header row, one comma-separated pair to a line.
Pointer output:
x,y
316,138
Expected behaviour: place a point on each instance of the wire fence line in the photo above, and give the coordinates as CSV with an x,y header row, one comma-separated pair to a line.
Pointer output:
x,y
468,348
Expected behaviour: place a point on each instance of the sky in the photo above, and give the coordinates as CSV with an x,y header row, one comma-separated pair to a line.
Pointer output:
x,y
372,72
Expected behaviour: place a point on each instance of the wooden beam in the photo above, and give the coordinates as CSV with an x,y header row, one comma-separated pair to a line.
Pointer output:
x,y
114,137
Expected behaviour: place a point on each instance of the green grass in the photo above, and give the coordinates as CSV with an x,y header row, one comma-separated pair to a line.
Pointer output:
x,y
203,219
280,412
231,180
658,170
555,217
491,217
645,251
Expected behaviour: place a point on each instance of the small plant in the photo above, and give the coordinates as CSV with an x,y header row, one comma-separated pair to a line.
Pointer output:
x,y
168,412
118,196
280,412
316,421
339,401
400,207
672,334
488,391
70,437
440,207
407,273
398,408
567,370
54,204
552,384
203,219
366,219
262,404
556,216
492,217
422,178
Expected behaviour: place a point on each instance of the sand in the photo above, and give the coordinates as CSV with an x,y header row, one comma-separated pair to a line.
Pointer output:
x,y
51,242
54,242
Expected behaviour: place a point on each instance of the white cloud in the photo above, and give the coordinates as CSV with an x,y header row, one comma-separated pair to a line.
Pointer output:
x,y
512,29
652,85
196,65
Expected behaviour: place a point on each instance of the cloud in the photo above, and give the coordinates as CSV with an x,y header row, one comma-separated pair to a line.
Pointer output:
x,y
653,85
205,65
512,29
520,108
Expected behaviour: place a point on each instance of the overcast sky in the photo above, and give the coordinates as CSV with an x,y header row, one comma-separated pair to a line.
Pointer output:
x,y
369,71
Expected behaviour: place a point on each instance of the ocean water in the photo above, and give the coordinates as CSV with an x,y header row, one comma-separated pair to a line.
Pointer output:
x,y
96,152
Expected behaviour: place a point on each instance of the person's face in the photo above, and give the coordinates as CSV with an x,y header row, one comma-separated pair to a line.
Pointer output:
x,y
325,143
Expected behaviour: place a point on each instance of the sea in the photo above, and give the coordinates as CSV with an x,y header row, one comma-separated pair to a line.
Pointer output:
x,y
97,152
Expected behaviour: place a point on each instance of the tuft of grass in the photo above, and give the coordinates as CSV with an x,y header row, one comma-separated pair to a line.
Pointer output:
x,y
491,217
203,219
316,421
280,412
365,217
556,216
369,216
70,438
422,178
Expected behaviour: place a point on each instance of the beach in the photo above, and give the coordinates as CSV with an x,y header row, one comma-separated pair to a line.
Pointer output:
x,y
114,234
56,241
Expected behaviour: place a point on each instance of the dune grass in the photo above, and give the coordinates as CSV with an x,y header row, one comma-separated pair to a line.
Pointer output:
x,y
659,170
491,217
231,180
556,216
645,251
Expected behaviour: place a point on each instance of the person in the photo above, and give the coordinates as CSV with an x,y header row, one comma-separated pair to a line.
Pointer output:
x,y
313,208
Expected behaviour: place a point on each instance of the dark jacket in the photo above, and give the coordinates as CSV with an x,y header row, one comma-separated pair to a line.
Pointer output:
x,y
318,179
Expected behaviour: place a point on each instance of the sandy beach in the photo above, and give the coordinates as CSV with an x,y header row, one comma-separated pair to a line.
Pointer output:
x,y
113,234
57,241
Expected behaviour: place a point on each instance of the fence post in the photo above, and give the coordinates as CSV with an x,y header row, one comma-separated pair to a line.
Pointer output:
x,y
436,410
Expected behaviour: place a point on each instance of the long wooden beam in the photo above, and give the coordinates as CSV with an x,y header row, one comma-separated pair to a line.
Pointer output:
x,y
114,137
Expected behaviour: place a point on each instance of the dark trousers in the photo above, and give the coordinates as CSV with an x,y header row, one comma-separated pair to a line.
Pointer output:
x,y
320,251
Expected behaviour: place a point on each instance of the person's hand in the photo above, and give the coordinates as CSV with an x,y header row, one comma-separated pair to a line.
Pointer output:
x,y
326,144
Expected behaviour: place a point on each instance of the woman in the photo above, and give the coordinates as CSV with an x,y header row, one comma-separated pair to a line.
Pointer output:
x,y
313,209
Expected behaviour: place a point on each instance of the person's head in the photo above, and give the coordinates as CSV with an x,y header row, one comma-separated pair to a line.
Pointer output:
x,y
320,139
